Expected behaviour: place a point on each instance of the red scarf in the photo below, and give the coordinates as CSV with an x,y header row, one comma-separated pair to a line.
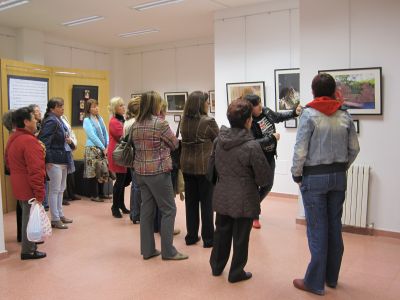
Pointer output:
x,y
326,105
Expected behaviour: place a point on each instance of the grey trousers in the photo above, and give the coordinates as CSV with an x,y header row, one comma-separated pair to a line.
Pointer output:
x,y
156,190
27,247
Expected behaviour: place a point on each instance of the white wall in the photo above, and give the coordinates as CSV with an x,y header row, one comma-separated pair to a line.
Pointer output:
x,y
250,43
8,43
355,34
176,67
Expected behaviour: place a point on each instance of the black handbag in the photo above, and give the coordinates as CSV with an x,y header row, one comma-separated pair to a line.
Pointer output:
x,y
124,152
212,174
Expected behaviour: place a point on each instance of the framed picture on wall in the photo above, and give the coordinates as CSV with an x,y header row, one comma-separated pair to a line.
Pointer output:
x,y
177,118
238,89
287,89
357,125
211,95
134,95
176,101
360,89
80,94
292,123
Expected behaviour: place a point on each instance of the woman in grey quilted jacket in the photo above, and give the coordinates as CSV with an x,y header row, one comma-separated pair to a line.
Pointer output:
x,y
242,168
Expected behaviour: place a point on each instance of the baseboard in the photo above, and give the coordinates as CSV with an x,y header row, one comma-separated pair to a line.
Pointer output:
x,y
4,254
291,196
358,230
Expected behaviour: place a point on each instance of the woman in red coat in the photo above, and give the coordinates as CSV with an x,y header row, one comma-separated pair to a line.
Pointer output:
x,y
115,128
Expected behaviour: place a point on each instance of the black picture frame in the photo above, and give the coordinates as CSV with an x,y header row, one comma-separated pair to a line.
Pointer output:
x,y
175,101
134,95
287,89
292,123
357,125
360,88
236,90
80,95
211,96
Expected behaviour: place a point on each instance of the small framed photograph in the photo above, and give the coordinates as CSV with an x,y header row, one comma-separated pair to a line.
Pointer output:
x,y
177,118
360,89
176,101
357,125
239,89
292,123
287,89
134,95
211,94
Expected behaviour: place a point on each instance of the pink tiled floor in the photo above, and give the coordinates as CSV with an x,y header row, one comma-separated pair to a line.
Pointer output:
x,y
98,258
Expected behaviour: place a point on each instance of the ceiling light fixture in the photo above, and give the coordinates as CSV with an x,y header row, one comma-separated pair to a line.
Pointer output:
x,y
11,3
154,4
83,21
138,32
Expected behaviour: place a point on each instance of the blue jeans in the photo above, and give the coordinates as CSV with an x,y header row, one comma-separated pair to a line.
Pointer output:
x,y
323,197
136,199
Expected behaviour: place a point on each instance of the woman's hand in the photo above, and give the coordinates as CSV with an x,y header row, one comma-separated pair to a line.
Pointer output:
x,y
105,151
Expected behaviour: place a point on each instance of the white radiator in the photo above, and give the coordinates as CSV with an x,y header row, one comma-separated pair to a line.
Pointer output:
x,y
356,204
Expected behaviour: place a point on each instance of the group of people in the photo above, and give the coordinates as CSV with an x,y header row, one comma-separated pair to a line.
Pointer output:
x,y
241,160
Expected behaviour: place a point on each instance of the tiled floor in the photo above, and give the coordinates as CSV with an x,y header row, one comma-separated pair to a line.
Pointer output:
x,y
98,258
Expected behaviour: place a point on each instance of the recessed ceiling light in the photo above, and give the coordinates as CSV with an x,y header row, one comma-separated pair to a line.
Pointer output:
x,y
138,32
83,21
11,3
154,4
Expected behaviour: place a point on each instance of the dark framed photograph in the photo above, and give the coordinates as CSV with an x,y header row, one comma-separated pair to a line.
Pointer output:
x,y
134,95
360,89
287,89
211,95
177,118
80,95
175,101
239,89
357,125
292,123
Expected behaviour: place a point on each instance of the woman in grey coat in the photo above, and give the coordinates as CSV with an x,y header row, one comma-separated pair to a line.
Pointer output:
x,y
241,167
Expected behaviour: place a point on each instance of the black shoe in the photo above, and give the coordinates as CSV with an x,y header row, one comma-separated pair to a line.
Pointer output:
x,y
246,276
116,213
34,255
191,242
39,243
65,202
125,210
75,197
207,245
105,197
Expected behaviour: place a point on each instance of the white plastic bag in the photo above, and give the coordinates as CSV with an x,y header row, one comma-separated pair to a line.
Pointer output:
x,y
39,225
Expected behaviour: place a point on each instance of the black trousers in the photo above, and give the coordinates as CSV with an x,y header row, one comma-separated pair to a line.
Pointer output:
x,y
119,192
95,188
19,221
198,190
263,191
69,191
228,229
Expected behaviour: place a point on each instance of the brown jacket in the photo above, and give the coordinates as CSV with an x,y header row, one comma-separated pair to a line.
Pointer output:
x,y
242,167
197,142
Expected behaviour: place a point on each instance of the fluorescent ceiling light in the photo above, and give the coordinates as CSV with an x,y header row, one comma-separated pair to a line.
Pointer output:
x,y
11,3
138,32
83,21
153,4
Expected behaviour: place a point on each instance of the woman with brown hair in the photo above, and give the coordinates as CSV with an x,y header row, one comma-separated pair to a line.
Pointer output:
x,y
153,141
95,147
198,132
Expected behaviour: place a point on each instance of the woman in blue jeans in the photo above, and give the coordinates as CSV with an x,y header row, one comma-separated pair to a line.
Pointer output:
x,y
54,136
326,145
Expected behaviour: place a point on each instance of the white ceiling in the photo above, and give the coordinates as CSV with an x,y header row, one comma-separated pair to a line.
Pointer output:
x,y
185,20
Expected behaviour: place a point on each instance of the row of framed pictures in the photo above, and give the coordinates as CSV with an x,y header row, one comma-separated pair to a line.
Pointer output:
x,y
176,101
361,89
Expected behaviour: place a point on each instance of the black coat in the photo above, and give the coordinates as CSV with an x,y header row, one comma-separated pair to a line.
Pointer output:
x,y
242,168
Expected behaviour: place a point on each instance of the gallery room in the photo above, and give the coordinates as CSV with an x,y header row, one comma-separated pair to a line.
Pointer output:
x,y
115,52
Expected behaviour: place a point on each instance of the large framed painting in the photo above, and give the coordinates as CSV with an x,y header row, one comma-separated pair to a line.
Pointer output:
x,y
211,95
287,89
239,89
176,101
360,89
